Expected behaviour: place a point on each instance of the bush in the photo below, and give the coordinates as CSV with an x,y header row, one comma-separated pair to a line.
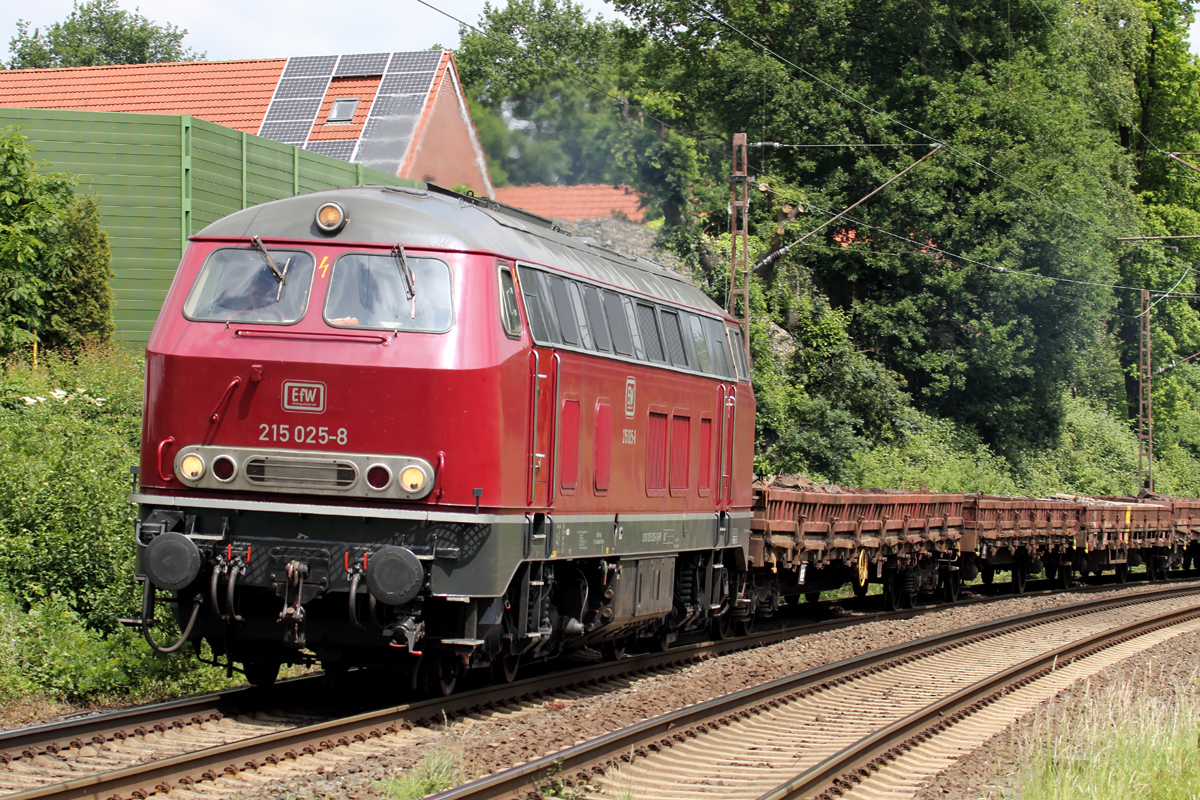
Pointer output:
x,y
69,431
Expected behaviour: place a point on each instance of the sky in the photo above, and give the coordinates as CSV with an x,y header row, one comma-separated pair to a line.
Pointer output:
x,y
229,29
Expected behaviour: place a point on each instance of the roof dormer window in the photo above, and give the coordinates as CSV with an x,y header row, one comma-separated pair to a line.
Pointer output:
x,y
343,109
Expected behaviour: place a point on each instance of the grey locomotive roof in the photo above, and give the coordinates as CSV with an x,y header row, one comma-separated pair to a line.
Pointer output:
x,y
441,219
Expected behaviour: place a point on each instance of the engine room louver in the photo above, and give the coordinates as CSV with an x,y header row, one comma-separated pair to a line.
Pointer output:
x,y
316,473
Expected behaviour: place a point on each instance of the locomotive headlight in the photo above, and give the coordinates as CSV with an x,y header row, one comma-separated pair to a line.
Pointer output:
x,y
412,478
331,217
192,467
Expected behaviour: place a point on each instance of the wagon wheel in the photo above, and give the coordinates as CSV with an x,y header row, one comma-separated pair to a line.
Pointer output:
x,y
1064,577
951,585
812,597
1122,573
860,578
1051,572
908,587
987,574
891,590
1020,573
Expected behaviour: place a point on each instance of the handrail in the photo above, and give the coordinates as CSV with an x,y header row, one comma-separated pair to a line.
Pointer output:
x,y
216,415
533,435
161,446
553,449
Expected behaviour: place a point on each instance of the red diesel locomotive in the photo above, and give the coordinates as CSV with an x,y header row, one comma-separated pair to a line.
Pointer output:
x,y
411,428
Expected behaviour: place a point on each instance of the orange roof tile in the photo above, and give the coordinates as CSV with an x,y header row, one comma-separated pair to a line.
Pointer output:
x,y
585,201
362,88
231,93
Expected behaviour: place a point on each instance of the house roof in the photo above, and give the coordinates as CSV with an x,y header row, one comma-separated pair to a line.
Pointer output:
x,y
574,203
285,99
231,93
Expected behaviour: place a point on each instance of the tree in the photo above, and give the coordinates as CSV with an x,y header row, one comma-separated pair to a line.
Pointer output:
x,y
54,259
96,33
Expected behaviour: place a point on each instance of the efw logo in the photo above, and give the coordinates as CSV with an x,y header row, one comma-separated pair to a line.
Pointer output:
x,y
307,397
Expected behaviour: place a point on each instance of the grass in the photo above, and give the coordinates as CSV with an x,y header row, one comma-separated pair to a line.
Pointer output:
x,y
1136,739
439,770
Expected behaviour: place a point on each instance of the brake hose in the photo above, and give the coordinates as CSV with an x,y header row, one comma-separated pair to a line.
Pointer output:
x,y
148,616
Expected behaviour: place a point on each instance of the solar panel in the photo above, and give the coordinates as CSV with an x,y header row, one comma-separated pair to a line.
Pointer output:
x,y
397,106
406,83
301,87
283,110
343,148
415,62
286,132
309,66
361,64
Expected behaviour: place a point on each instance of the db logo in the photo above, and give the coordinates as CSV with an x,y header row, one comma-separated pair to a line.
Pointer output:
x,y
307,397
630,397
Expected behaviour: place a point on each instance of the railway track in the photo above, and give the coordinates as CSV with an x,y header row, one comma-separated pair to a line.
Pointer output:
x,y
871,726
187,745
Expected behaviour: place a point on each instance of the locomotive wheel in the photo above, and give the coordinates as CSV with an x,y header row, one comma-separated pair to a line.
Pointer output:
x,y
448,670
1020,573
744,627
721,628
504,668
613,651
261,673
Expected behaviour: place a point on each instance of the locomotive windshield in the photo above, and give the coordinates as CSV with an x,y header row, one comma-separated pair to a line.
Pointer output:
x,y
369,291
238,284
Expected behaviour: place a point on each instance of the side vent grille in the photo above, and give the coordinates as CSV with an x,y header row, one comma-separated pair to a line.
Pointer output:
x,y
313,473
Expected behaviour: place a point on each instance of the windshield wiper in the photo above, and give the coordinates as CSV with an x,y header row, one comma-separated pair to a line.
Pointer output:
x,y
406,272
280,275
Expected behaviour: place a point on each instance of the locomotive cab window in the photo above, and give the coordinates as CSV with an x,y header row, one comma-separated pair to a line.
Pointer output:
x,y
739,353
510,315
240,284
371,291
538,311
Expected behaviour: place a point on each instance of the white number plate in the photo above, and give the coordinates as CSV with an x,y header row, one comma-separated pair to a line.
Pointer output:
x,y
302,434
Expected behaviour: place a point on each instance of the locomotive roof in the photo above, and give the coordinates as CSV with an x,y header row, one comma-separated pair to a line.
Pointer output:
x,y
439,218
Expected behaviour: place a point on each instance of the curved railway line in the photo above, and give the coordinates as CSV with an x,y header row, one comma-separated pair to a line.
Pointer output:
x,y
840,730
187,745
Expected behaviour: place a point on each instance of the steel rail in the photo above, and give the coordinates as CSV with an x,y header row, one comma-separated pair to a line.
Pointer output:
x,y
252,752
842,770
103,726
589,756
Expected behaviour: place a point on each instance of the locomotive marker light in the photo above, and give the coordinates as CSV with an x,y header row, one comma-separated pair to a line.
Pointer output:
x,y
331,218
191,467
224,468
379,476
413,478
172,561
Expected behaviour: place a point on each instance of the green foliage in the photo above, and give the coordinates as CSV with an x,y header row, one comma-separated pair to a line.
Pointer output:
x,y
79,308
54,258
98,32
69,431
439,770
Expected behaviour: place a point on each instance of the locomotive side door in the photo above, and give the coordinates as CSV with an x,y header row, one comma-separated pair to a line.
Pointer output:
x,y
544,370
